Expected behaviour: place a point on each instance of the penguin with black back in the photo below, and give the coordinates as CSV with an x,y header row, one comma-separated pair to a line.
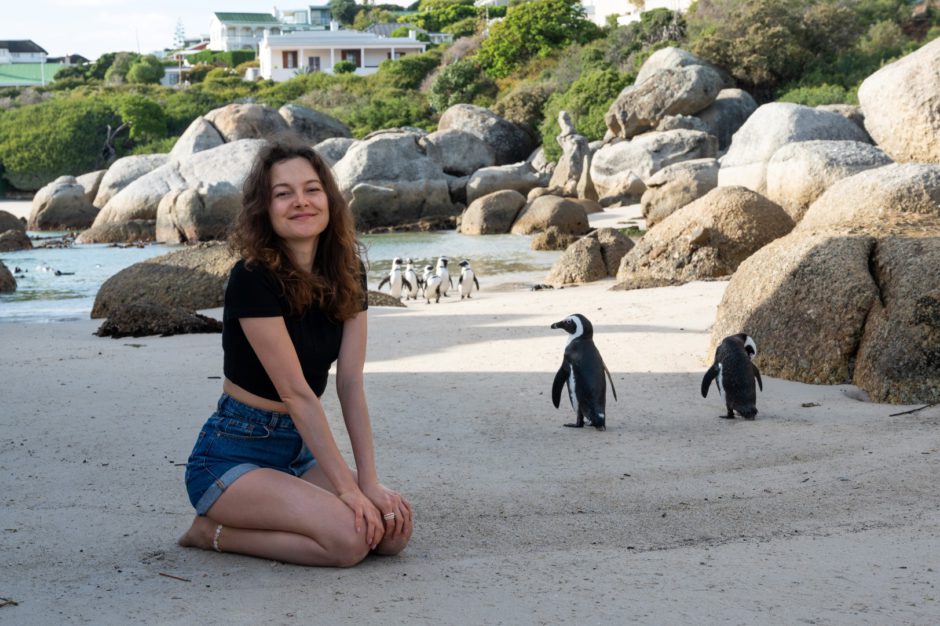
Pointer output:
x,y
734,374
583,370
467,281
395,279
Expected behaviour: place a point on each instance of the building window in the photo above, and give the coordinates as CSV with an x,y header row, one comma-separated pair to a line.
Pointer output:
x,y
352,55
289,59
313,64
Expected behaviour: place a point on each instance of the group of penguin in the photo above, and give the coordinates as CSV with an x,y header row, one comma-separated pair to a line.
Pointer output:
x,y
403,280
583,371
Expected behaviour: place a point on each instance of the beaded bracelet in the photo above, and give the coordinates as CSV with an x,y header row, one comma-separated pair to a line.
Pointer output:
x,y
215,540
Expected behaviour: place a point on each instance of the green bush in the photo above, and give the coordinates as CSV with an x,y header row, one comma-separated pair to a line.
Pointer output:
x,y
388,108
157,146
460,82
144,116
409,71
148,70
816,95
117,71
231,58
61,136
181,107
344,67
524,104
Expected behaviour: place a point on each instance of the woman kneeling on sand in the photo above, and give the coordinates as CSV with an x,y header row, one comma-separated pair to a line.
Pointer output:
x,y
265,476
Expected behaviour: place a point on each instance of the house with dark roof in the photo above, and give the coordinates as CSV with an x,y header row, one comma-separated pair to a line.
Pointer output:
x,y
21,51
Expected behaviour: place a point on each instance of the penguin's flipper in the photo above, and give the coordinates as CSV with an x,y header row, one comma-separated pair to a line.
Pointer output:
x,y
405,282
757,376
610,378
561,377
707,380
387,279
476,282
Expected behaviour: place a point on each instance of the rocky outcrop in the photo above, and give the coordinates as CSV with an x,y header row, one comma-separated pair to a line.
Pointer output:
x,y
191,279
131,231
312,126
675,58
393,179
462,153
377,298
91,182
201,214
593,257
575,150
13,240
7,282
644,156
142,319
708,238
510,143
199,136
798,173
727,114
8,221
676,185
901,102
123,172
61,205
771,127
545,211
673,91
492,214
552,239
518,177
334,149
247,121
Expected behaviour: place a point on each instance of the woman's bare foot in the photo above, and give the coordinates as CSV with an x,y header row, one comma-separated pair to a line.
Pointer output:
x,y
200,534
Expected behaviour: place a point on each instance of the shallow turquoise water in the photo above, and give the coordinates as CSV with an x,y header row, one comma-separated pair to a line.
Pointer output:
x,y
500,261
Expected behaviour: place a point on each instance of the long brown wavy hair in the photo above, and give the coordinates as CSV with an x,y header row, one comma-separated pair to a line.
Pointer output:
x,y
334,284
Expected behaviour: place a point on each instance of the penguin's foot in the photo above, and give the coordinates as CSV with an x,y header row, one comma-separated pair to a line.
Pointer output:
x,y
574,425
729,416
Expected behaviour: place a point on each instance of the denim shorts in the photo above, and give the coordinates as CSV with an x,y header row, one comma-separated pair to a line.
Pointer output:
x,y
236,439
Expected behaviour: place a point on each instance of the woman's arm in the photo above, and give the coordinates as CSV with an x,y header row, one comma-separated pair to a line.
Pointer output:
x,y
352,398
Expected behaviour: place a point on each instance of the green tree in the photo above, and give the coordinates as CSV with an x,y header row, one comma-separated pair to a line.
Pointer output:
x,y
148,70
460,82
144,117
343,11
409,71
534,29
366,18
117,71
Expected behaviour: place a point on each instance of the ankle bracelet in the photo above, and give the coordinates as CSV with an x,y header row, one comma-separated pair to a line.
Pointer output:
x,y
215,540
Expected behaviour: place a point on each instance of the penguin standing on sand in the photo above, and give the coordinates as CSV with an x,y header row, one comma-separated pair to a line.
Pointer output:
x,y
467,280
446,282
395,279
428,272
432,288
583,370
734,375
410,277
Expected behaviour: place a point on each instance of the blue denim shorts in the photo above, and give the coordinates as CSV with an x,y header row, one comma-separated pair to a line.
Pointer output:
x,y
236,439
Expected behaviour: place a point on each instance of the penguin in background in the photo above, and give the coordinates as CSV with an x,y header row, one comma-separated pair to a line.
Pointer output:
x,y
467,280
446,281
411,280
395,279
734,374
432,288
428,272
583,370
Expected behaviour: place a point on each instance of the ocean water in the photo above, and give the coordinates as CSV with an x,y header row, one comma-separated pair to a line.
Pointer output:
x,y
501,262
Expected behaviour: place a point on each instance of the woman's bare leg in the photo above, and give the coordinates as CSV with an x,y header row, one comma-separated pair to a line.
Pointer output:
x,y
273,515
390,545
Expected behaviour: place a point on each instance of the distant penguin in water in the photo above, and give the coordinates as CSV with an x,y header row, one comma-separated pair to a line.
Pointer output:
x,y
395,279
734,375
583,370
467,280
410,277
446,281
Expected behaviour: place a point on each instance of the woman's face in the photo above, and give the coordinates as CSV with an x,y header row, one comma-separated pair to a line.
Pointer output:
x,y
299,209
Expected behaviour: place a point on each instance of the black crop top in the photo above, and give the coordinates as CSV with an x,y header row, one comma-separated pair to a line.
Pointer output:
x,y
316,337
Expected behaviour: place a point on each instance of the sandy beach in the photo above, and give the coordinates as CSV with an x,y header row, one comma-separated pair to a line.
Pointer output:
x,y
824,510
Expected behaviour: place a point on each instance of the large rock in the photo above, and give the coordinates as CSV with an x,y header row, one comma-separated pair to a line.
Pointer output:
x,y
247,121
394,179
901,102
675,58
518,177
676,185
574,154
595,256
201,214
61,205
798,173
8,221
7,281
312,126
131,231
645,155
142,319
851,112
462,153
879,198
227,163
545,211
492,214
13,240
123,172
510,143
193,279
334,149
727,114
672,91
199,136
708,238
91,182
771,127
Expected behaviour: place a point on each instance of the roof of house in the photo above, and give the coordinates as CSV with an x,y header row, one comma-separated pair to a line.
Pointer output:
x,y
246,18
21,45
26,74
338,38
386,29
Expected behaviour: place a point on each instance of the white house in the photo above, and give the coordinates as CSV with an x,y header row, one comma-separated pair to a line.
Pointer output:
x,y
286,55
21,51
240,31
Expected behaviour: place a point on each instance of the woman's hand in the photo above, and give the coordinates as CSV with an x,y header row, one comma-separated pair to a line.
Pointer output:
x,y
390,501
364,511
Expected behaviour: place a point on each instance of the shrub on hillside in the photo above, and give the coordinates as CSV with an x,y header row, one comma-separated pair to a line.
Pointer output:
x,y
817,94
344,67
409,71
230,58
147,70
524,105
388,108
458,83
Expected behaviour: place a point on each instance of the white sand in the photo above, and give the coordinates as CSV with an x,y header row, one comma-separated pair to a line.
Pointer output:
x,y
825,514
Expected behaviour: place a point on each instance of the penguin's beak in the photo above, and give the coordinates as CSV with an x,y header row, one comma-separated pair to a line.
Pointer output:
x,y
562,325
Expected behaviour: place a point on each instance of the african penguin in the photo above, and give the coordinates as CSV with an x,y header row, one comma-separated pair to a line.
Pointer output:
x,y
734,375
428,272
432,288
583,369
411,277
395,279
446,282
467,280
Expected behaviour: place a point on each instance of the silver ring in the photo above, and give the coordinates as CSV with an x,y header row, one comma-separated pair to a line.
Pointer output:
x,y
388,516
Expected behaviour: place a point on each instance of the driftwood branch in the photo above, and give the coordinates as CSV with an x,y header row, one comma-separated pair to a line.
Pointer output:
x,y
926,406
107,153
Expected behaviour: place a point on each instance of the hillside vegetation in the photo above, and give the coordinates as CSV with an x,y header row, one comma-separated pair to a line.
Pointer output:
x,y
541,58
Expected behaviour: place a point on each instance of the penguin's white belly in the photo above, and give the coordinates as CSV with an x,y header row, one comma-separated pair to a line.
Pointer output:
x,y
572,395
396,286
719,380
445,281
466,284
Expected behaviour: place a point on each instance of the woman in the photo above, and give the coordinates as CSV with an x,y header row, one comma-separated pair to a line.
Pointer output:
x,y
295,303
